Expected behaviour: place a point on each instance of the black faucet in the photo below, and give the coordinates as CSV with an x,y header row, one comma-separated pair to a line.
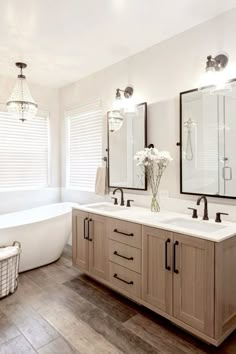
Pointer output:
x,y
122,202
205,216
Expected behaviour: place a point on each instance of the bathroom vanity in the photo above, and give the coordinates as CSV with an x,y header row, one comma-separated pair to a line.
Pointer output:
x,y
183,269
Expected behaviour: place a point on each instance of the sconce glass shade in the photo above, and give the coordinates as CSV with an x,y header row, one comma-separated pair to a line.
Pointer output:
x,y
130,107
21,103
215,83
115,120
208,80
117,104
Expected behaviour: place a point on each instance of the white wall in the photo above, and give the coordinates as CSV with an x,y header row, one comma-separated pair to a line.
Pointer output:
x,y
158,74
47,99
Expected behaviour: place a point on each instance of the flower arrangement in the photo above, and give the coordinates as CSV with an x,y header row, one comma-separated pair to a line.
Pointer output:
x,y
153,162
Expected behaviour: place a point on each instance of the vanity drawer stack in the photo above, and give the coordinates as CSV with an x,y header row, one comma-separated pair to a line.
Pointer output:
x,y
125,255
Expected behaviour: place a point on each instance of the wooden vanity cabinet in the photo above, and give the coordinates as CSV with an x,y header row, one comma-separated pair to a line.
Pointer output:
x,y
89,243
186,279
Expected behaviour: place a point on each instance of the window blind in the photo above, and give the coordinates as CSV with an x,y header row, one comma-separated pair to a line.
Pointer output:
x,y
84,146
24,149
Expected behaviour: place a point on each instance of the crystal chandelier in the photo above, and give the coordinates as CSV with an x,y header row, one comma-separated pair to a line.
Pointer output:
x,y
21,103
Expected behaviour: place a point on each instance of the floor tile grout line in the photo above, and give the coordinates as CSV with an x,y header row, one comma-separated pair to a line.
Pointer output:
x,y
84,323
101,292
19,335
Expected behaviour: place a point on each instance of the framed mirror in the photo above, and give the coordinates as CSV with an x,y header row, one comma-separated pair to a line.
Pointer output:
x,y
123,143
207,139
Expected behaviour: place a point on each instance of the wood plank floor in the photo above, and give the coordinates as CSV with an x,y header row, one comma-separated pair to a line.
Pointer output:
x,y
56,309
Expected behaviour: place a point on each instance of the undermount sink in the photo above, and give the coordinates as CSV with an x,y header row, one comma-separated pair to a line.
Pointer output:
x,y
107,207
203,226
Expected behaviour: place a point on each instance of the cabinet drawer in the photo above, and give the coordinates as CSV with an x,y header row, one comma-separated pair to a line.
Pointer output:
x,y
125,279
126,256
125,232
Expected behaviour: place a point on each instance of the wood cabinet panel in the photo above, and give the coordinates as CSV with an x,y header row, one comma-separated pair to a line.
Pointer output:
x,y
80,253
125,279
125,232
225,261
125,256
193,285
98,246
157,280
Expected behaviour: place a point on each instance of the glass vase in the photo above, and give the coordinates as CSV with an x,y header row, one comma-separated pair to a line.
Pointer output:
x,y
155,207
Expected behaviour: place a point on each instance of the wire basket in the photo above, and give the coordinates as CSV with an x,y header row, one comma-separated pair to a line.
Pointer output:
x,y
9,270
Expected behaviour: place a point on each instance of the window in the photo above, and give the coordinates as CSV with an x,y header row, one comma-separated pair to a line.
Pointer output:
x,y
24,149
84,146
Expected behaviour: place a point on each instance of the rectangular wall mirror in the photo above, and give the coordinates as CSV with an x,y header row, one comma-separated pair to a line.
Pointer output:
x,y
122,146
207,141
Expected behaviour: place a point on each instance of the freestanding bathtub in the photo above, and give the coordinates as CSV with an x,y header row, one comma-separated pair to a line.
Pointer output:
x,y
43,233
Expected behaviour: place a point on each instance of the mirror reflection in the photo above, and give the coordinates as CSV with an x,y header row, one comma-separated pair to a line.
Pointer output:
x,y
122,145
208,141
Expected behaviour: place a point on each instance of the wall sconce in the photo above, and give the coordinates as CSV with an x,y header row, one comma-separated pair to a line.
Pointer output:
x,y
126,105
121,107
213,79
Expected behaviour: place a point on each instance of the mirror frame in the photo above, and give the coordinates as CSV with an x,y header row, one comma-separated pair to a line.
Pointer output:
x,y
179,144
145,145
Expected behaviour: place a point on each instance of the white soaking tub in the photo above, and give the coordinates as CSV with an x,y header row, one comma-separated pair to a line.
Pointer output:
x,y
43,233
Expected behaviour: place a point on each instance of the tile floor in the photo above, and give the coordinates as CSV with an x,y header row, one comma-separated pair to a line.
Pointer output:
x,y
56,309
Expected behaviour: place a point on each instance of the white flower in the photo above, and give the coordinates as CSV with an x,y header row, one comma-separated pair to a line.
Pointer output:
x,y
150,156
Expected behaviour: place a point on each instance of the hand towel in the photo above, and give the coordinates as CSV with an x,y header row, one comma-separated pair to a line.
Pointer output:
x,y
101,181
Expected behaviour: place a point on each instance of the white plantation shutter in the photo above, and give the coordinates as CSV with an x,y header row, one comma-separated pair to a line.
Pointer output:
x,y
24,149
84,146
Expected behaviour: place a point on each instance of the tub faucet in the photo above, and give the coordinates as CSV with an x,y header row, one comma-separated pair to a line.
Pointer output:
x,y
205,216
122,202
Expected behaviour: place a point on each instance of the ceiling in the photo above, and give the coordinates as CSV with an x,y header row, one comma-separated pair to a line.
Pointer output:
x,y
65,40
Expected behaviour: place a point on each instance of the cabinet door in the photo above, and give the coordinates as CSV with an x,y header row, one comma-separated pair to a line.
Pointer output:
x,y
193,285
80,245
98,246
157,268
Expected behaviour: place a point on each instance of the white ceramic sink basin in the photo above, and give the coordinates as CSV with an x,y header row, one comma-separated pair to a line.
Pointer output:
x,y
198,225
107,207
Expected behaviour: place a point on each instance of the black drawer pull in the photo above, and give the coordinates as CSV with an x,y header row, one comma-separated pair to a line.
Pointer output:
x,y
85,237
120,255
123,233
124,281
167,267
174,260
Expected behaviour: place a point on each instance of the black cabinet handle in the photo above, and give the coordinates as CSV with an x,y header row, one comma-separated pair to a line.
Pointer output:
x,y
174,261
123,233
120,255
124,281
166,254
89,238
85,237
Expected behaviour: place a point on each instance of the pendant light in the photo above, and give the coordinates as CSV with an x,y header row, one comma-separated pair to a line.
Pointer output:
x,y
21,103
115,120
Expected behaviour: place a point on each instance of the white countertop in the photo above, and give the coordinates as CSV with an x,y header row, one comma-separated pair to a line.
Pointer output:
x,y
217,231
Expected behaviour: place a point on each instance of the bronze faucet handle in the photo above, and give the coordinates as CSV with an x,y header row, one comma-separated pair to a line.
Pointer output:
x,y
194,215
218,218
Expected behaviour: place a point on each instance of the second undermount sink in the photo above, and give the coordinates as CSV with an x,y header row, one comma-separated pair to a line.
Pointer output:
x,y
107,207
198,225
